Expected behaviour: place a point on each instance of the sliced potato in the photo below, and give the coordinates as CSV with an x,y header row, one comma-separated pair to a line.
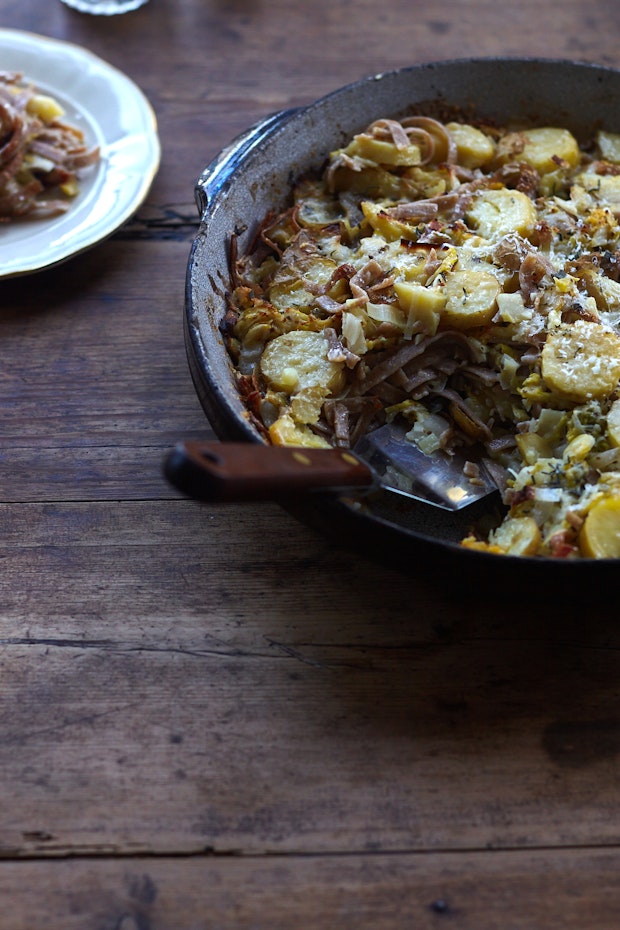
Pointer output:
x,y
613,424
291,294
470,299
495,213
383,152
46,108
545,145
292,283
473,147
518,536
286,432
581,361
423,305
604,290
428,182
609,144
604,188
306,404
298,360
600,534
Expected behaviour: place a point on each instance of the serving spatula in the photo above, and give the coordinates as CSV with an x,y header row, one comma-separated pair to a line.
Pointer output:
x,y
384,458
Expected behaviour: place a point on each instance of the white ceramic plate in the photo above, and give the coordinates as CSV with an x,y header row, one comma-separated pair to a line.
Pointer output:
x,y
114,114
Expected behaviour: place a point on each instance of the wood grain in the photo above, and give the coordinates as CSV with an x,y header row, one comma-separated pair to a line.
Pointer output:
x,y
253,712
511,891
96,389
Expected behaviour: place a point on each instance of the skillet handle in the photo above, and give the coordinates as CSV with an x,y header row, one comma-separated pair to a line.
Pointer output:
x,y
243,471
215,176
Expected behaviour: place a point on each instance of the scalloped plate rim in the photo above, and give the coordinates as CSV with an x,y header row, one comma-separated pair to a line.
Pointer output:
x,y
114,114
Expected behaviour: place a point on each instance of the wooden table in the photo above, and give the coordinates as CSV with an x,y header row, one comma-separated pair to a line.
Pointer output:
x,y
211,717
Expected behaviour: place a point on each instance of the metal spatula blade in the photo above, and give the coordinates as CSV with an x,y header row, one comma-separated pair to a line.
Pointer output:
x,y
221,471
437,479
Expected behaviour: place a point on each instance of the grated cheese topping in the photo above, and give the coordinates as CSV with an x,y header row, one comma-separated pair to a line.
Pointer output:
x,y
464,277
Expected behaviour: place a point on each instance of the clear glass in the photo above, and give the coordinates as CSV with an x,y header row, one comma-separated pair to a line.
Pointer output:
x,y
105,7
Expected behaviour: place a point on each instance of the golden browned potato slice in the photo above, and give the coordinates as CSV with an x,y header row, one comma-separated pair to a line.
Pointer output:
x,y
298,360
306,404
600,534
473,147
391,229
383,152
471,299
581,361
518,536
422,304
545,145
286,432
495,213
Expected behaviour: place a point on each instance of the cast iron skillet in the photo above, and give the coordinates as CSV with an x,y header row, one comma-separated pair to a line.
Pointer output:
x,y
253,175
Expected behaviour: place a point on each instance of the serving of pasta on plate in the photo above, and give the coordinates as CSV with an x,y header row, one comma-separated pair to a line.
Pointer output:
x,y
42,154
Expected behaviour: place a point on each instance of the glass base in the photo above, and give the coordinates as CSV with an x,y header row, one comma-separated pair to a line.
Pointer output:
x,y
104,7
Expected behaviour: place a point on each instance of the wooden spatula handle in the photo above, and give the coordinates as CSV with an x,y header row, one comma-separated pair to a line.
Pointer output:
x,y
236,471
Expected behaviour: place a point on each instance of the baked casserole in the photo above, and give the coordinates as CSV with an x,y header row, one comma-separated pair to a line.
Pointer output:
x,y
465,277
